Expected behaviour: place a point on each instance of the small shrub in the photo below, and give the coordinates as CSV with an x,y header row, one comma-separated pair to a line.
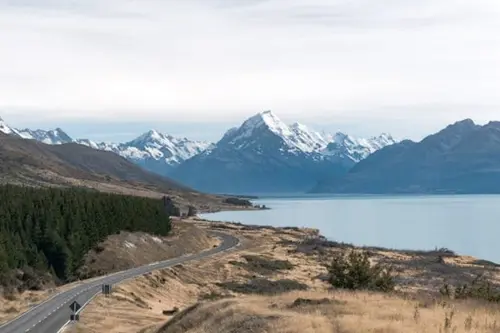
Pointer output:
x,y
416,314
313,302
468,323
213,296
99,248
264,286
354,271
263,265
448,319
192,211
480,288
11,310
10,296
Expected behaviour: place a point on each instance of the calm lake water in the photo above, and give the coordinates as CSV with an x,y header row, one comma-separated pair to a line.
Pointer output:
x,y
465,224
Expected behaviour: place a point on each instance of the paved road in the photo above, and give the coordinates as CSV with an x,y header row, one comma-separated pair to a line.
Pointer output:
x,y
51,316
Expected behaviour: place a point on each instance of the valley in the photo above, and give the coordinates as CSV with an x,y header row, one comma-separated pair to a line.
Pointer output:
x,y
249,166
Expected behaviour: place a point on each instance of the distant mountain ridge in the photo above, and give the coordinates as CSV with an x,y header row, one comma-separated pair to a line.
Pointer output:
x,y
266,155
262,155
155,151
462,158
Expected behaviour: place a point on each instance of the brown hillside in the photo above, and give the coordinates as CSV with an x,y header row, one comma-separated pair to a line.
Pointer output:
x,y
29,162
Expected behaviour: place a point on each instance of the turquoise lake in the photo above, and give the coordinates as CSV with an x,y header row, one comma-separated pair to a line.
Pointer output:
x,y
468,225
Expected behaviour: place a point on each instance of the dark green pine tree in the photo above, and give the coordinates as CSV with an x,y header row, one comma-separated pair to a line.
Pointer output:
x,y
51,230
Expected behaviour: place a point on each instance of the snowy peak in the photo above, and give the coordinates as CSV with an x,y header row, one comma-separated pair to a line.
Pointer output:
x,y
254,126
52,137
382,140
307,139
257,132
4,128
295,138
271,121
159,146
150,137
356,148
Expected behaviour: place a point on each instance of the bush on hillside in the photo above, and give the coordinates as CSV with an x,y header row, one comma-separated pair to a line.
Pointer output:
x,y
354,271
192,211
480,288
263,265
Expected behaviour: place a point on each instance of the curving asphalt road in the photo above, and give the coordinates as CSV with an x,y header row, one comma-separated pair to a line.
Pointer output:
x,y
52,315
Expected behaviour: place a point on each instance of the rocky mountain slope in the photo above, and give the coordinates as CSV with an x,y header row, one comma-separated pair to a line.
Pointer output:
x,y
155,151
462,158
266,155
30,159
33,163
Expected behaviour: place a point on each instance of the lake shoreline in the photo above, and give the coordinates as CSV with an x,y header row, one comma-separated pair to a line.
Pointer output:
x,y
335,243
404,222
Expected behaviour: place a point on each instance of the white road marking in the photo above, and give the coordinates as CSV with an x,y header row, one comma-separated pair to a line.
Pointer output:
x,y
124,277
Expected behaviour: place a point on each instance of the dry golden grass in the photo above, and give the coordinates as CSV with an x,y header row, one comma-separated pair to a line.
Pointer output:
x,y
137,305
344,312
12,306
127,250
119,252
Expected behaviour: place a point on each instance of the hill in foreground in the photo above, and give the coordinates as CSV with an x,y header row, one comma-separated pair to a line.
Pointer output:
x,y
462,158
276,282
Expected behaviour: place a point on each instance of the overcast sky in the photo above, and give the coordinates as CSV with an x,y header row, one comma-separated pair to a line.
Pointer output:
x,y
110,69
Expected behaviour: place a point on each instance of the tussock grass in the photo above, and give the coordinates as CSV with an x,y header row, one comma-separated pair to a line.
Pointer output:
x,y
263,265
335,312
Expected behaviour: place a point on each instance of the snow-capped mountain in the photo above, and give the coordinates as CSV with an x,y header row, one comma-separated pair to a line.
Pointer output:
x,y
52,137
153,150
266,155
157,145
4,128
356,149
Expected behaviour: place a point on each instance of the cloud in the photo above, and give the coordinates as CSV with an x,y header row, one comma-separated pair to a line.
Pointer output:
x,y
220,60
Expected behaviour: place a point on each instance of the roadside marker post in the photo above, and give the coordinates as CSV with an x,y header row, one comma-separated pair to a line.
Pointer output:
x,y
75,306
106,290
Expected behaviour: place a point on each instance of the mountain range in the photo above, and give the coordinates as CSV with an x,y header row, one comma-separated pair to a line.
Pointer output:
x,y
152,150
262,155
265,155
462,158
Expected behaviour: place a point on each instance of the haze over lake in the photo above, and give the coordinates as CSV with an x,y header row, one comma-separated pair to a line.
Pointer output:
x,y
468,225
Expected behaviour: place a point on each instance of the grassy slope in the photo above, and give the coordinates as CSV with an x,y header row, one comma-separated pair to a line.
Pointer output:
x,y
119,252
243,284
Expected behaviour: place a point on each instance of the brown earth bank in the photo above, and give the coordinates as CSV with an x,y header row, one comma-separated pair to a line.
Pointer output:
x,y
276,281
